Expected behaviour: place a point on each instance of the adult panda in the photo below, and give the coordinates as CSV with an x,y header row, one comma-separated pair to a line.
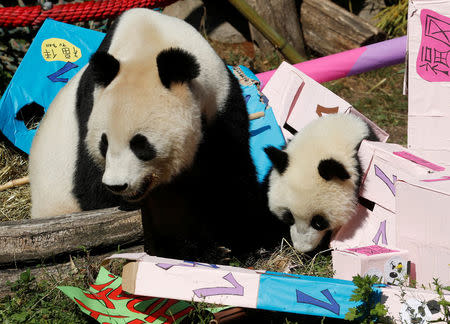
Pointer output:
x,y
155,120
314,183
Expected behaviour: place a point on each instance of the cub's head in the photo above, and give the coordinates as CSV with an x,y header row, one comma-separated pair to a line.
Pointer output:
x,y
145,124
314,181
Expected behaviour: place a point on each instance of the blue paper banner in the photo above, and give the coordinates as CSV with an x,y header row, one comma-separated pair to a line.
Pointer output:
x,y
56,54
264,131
306,295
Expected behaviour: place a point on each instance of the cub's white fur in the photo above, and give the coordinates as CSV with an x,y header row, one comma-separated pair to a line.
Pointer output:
x,y
301,190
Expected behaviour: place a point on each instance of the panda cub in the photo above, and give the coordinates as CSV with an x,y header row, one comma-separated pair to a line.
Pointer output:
x,y
314,183
155,120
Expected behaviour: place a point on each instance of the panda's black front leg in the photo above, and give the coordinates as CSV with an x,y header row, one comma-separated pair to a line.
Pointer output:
x,y
128,206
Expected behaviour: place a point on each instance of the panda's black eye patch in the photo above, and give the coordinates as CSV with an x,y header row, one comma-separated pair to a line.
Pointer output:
x,y
287,218
103,145
142,148
319,223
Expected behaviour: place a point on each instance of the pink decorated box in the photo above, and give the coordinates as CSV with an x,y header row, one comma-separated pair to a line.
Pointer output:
x,y
429,77
423,225
193,281
297,99
367,227
385,163
390,265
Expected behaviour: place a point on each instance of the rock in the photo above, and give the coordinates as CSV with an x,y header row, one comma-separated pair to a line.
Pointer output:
x,y
219,20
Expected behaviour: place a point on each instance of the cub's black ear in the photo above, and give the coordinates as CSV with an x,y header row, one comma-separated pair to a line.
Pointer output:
x,y
177,66
279,158
104,68
331,168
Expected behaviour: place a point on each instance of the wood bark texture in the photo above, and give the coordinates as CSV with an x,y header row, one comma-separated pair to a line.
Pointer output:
x,y
282,16
57,271
40,239
329,29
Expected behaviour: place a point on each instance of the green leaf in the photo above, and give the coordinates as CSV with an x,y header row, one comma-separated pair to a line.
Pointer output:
x,y
443,302
19,317
351,314
379,310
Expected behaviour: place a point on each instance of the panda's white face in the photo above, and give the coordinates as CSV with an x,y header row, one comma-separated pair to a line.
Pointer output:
x,y
142,132
312,186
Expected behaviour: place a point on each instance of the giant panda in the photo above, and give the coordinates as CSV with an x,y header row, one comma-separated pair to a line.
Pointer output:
x,y
314,183
155,120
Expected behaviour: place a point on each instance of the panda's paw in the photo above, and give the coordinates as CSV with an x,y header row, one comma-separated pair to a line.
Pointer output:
x,y
127,206
223,254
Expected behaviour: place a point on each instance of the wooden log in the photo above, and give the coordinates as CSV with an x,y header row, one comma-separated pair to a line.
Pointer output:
x,y
40,239
282,16
329,29
58,271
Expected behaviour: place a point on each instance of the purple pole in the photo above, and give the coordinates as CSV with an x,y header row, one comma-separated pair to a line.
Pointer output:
x,y
355,61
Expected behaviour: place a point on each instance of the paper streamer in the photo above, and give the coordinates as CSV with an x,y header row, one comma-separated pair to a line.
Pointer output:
x,y
355,61
234,286
106,302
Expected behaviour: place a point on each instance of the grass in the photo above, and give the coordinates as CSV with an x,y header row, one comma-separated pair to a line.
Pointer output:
x,y
378,95
15,203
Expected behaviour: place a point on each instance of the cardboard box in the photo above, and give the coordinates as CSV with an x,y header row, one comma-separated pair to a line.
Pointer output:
x,y
201,282
385,164
423,225
367,227
297,99
388,264
440,156
429,76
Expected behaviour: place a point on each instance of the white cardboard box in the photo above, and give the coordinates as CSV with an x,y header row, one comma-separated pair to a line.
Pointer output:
x,y
423,226
297,99
429,78
367,227
384,164
390,265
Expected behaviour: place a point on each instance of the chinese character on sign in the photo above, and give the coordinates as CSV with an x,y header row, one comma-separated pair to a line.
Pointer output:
x,y
432,59
56,49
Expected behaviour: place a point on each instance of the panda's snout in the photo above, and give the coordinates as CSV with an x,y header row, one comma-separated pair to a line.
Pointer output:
x,y
116,188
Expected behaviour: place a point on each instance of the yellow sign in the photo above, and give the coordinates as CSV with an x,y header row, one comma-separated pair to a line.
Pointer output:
x,y
57,49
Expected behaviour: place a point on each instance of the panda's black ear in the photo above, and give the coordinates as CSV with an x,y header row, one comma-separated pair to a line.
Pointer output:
x,y
104,68
330,168
279,158
176,65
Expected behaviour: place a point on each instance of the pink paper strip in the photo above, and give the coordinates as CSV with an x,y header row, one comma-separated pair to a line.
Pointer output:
x,y
420,161
432,64
372,250
439,179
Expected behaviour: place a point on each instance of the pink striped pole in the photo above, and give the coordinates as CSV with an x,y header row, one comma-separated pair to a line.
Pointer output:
x,y
355,61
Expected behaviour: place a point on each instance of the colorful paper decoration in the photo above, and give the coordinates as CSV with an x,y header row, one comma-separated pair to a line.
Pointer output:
x,y
264,131
56,54
106,302
225,285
